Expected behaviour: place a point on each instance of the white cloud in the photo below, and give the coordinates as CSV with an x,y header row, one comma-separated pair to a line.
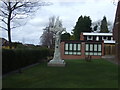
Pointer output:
x,y
69,11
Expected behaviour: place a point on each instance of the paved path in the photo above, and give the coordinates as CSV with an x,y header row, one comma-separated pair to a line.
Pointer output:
x,y
19,70
110,58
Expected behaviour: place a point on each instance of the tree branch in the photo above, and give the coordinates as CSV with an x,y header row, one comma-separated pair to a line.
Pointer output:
x,y
4,3
14,6
10,10
3,28
3,12
13,16
9,7
3,16
15,27
4,21
18,6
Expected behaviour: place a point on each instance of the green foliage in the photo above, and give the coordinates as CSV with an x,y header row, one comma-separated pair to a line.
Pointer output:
x,y
65,36
72,37
18,58
18,45
8,60
82,25
95,28
104,26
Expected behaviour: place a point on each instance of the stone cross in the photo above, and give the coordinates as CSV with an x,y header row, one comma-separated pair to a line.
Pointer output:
x,y
57,29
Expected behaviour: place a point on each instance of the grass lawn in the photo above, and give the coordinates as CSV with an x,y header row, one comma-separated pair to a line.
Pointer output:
x,y
76,74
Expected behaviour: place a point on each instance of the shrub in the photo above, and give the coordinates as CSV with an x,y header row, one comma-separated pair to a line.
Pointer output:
x,y
7,60
18,58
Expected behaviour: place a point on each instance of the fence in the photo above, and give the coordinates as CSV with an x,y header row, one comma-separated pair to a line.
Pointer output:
x,y
109,49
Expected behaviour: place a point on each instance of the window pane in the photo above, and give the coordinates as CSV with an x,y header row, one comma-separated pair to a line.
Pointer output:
x,y
74,47
91,47
99,54
74,53
79,46
66,52
95,47
95,53
86,53
70,48
87,47
78,53
70,53
66,46
91,53
99,47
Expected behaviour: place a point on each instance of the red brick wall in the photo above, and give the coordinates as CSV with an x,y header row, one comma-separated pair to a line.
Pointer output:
x,y
82,56
103,49
81,36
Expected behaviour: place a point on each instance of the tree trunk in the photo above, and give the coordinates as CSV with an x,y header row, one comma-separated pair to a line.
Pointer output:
x,y
9,29
9,36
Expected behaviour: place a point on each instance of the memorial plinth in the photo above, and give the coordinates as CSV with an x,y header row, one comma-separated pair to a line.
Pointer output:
x,y
57,63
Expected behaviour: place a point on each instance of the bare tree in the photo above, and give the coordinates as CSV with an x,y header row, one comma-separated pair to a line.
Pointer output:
x,y
12,10
110,26
47,38
97,24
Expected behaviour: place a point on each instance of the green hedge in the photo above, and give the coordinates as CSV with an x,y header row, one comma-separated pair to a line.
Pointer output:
x,y
18,58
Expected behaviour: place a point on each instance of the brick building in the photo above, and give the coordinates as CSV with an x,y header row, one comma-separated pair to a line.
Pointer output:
x,y
80,49
116,31
93,44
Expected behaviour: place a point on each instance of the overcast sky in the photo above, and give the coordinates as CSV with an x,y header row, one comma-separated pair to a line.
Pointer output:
x,y
69,11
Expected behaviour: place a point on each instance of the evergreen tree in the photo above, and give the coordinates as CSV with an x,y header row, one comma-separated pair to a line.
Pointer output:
x,y
104,26
95,28
65,36
82,25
